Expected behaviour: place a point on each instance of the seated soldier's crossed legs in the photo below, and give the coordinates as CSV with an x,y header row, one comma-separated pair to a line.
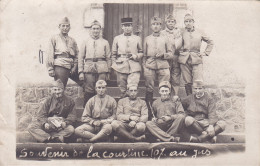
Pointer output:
x,y
200,127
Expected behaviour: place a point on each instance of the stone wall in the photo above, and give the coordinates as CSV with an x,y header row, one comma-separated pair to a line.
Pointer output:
x,y
230,102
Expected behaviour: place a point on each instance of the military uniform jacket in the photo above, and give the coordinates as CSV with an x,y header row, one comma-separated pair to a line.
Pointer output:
x,y
60,108
191,46
153,45
126,44
62,45
200,108
167,108
175,38
97,48
126,108
99,109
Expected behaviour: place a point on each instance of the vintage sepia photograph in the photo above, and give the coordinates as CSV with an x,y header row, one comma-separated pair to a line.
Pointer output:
x,y
129,82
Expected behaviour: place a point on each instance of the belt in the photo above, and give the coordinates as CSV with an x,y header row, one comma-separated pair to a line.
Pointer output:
x,y
95,59
63,56
125,55
187,50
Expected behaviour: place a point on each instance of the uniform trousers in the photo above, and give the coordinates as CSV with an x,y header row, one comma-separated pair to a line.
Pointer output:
x,y
89,131
150,76
164,130
90,80
37,131
191,72
124,79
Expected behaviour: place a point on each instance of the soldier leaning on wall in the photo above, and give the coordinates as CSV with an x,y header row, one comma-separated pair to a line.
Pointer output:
x,y
94,61
62,61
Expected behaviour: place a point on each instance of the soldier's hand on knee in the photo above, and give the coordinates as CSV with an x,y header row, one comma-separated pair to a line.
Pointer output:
x,y
154,119
47,126
81,76
166,118
132,124
160,121
97,123
134,118
51,73
63,125
211,130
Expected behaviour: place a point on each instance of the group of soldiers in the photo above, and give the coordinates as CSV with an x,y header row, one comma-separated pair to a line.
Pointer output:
x,y
165,54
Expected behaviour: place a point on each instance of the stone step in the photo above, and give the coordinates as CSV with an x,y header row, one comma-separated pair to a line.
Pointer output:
x,y
25,137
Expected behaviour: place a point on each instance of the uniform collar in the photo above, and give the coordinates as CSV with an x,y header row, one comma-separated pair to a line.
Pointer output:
x,y
64,35
170,31
95,37
191,30
156,34
127,34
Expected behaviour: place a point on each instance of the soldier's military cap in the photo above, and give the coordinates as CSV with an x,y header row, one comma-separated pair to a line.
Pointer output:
x,y
156,19
127,20
58,83
131,85
95,22
170,17
101,83
65,20
198,83
188,17
165,84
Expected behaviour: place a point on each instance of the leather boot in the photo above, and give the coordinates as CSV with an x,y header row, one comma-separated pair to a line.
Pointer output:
x,y
149,102
207,137
125,134
188,89
87,96
198,130
100,135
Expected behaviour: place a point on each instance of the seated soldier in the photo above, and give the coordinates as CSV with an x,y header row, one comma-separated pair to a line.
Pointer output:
x,y
98,114
132,113
202,118
55,117
168,116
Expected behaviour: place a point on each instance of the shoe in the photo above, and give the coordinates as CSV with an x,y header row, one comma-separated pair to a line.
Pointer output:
x,y
213,140
194,139
141,138
79,140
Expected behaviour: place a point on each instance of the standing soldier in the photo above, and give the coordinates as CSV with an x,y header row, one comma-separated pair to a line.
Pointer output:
x,y
201,111
190,58
62,62
174,37
94,60
55,117
127,53
157,52
132,114
168,115
98,114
